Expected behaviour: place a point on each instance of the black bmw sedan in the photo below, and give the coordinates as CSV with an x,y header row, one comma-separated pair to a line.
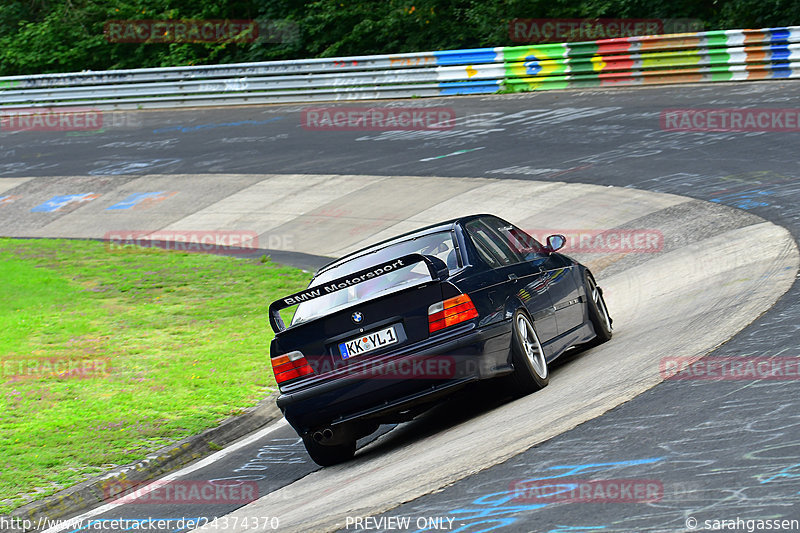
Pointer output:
x,y
384,333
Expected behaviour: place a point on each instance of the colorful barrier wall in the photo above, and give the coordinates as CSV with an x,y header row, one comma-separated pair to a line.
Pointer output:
x,y
729,55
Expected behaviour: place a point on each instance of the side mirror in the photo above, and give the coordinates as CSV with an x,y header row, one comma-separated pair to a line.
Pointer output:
x,y
556,242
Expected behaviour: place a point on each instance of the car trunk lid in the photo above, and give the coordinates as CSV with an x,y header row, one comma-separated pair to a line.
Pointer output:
x,y
355,331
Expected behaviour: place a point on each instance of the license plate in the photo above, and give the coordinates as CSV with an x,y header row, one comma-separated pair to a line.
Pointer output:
x,y
367,342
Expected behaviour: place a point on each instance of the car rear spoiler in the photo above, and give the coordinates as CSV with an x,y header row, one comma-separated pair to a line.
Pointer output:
x,y
437,268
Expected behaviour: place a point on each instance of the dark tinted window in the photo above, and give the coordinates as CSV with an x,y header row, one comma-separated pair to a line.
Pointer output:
x,y
488,257
493,247
523,244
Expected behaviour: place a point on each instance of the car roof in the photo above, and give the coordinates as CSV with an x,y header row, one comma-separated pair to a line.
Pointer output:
x,y
447,225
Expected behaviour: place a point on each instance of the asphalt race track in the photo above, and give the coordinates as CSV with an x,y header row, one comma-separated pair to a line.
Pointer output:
x,y
556,161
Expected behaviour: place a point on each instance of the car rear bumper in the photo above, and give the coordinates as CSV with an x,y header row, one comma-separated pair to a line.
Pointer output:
x,y
378,388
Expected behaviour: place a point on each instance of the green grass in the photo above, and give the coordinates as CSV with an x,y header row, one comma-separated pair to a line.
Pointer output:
x,y
107,355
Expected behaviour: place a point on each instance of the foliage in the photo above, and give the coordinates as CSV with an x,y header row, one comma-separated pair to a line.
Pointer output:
x,y
39,36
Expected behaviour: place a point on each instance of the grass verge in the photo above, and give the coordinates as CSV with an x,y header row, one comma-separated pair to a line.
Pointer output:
x,y
107,355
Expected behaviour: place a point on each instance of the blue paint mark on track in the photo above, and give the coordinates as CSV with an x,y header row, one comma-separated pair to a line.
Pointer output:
x,y
57,202
744,200
135,199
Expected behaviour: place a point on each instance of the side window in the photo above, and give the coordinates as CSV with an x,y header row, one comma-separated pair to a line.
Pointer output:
x,y
523,245
485,254
491,244
528,247
508,238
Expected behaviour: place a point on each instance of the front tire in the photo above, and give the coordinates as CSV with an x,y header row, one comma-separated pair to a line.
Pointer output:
x,y
530,366
598,312
329,455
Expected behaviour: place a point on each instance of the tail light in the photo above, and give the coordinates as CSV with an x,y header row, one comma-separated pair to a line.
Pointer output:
x,y
451,311
289,366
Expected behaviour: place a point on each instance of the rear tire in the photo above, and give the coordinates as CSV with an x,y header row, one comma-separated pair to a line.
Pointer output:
x,y
530,366
329,455
598,312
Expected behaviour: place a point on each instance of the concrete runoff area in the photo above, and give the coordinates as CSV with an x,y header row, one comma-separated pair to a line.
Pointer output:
x,y
327,215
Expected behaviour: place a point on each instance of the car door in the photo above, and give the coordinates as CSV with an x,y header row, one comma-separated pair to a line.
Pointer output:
x,y
567,293
520,279
557,271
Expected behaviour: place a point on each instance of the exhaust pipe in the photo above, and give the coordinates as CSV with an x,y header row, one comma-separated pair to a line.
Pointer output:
x,y
323,435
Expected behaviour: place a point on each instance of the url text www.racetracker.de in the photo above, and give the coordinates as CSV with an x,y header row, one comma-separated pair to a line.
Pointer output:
x,y
202,523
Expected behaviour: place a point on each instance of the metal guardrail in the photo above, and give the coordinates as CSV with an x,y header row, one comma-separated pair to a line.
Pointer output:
x,y
726,55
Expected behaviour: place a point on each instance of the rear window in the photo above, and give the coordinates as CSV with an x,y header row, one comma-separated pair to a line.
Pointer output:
x,y
438,244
